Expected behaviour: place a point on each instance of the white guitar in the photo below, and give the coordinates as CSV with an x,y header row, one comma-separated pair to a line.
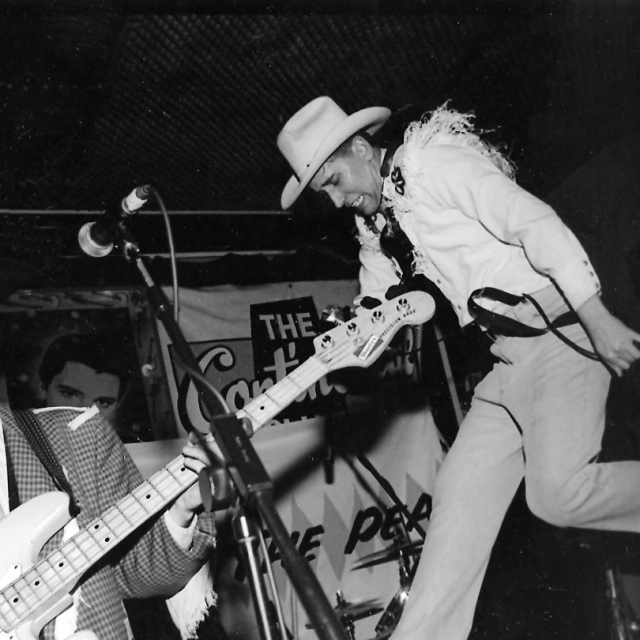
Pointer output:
x,y
34,591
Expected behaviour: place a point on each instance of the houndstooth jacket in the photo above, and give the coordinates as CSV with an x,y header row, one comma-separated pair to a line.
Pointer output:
x,y
101,472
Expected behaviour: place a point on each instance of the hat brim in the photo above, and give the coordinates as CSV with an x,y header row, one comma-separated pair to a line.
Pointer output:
x,y
370,120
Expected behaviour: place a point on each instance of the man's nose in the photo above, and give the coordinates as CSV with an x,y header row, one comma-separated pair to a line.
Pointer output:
x,y
337,199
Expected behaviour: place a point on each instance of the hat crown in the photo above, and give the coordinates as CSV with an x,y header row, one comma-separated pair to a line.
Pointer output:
x,y
314,133
304,133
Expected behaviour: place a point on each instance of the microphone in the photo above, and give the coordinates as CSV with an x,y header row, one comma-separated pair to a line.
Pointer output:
x,y
96,238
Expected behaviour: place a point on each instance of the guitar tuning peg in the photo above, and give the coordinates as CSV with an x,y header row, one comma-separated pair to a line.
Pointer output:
x,y
403,304
377,316
327,341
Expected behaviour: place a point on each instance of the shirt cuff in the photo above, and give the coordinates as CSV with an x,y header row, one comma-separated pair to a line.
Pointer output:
x,y
578,282
182,536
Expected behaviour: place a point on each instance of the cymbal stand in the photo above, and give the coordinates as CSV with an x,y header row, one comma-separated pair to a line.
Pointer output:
x,y
391,615
346,620
247,534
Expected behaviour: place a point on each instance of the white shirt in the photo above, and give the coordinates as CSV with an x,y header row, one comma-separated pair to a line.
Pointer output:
x,y
473,227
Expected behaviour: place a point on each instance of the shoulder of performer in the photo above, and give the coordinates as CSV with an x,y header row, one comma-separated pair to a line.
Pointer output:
x,y
72,419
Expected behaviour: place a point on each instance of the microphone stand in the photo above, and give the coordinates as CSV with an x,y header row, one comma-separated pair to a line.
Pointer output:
x,y
243,464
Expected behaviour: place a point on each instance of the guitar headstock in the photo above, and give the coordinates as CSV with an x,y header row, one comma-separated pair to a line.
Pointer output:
x,y
360,341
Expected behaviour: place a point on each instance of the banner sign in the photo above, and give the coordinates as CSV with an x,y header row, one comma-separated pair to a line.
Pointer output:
x,y
344,457
282,334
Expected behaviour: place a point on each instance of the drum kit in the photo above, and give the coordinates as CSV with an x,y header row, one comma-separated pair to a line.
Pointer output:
x,y
407,554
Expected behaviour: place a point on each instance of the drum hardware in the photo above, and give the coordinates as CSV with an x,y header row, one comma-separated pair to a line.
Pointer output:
x,y
394,552
391,615
349,612
403,549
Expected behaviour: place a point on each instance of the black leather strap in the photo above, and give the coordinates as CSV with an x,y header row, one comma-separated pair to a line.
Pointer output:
x,y
14,497
37,439
385,167
502,325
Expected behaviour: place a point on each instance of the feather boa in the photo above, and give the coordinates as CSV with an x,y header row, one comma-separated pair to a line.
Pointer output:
x,y
448,127
443,126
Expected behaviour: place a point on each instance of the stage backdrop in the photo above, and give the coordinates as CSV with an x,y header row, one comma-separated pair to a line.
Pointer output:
x,y
323,452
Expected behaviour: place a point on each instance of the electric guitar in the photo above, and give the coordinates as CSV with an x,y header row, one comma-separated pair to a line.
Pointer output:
x,y
34,591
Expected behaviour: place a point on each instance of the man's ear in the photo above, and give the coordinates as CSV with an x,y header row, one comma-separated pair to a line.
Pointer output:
x,y
41,392
362,148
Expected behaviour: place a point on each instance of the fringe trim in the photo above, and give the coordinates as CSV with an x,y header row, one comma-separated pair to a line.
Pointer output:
x,y
446,126
189,607
440,127
443,126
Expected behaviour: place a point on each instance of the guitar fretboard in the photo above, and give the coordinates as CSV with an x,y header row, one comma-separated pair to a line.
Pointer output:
x,y
282,394
59,571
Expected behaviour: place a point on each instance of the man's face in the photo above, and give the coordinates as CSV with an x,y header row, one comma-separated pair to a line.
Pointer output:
x,y
78,385
352,180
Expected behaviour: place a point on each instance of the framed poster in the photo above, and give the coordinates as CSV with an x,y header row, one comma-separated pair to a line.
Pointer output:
x,y
34,320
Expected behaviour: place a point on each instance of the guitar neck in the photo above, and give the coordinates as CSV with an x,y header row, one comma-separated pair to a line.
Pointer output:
x,y
283,393
60,570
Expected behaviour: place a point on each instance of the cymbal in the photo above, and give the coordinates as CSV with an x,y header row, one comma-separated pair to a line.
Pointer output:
x,y
356,610
390,553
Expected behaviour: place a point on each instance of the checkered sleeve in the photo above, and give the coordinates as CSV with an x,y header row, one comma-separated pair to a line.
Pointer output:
x,y
149,562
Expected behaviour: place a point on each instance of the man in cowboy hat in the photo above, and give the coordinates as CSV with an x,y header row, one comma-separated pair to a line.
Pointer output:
x,y
505,260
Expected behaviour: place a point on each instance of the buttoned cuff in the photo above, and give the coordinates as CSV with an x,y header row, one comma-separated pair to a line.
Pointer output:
x,y
578,282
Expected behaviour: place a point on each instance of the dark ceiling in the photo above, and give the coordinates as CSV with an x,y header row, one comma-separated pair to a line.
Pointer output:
x,y
98,96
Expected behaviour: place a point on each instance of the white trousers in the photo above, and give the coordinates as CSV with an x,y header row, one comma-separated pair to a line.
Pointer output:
x,y
557,398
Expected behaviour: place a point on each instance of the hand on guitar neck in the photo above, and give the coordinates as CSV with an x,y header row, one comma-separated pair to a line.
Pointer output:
x,y
196,459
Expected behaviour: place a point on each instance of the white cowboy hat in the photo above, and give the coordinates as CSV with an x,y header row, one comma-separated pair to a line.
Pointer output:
x,y
312,134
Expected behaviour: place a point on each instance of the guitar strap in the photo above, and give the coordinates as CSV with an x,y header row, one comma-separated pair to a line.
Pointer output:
x,y
503,325
37,439
14,498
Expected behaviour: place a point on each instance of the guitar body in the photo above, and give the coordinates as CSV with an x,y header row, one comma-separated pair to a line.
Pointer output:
x,y
23,533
